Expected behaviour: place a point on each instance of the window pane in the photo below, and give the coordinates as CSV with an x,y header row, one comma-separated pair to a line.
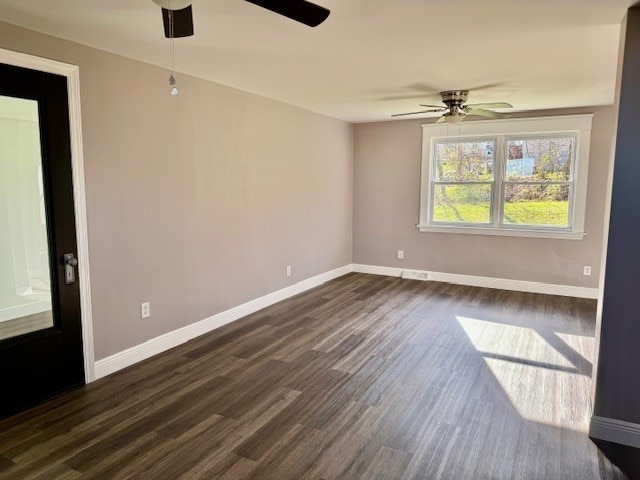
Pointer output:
x,y
464,161
25,284
541,205
462,203
540,159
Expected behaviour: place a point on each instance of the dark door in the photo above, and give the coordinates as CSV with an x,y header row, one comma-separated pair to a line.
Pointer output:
x,y
40,325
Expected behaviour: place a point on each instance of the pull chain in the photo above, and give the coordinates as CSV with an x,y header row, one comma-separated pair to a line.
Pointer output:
x,y
172,55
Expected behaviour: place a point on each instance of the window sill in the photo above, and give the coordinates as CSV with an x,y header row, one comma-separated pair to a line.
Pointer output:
x,y
505,232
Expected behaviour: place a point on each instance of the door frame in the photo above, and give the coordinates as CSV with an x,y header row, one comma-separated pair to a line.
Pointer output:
x,y
72,72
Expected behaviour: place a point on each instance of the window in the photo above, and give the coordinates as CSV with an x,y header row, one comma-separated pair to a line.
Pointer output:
x,y
518,177
463,181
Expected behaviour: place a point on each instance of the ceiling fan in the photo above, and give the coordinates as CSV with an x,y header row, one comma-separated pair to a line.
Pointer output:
x,y
456,108
182,14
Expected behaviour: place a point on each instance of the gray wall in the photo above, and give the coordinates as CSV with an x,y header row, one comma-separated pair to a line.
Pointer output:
x,y
617,385
197,203
387,158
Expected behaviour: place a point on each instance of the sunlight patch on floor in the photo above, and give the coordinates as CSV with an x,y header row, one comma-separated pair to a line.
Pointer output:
x,y
580,343
541,382
510,341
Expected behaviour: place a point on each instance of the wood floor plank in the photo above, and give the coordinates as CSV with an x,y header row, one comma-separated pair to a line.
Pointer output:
x,y
388,463
5,463
57,471
364,377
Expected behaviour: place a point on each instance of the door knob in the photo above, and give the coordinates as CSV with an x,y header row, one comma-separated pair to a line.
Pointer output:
x,y
69,271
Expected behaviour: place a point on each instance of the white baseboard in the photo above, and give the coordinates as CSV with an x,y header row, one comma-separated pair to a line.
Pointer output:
x,y
375,270
130,356
476,281
11,313
616,431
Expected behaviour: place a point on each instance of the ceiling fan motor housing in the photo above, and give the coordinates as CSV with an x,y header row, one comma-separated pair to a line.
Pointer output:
x,y
454,98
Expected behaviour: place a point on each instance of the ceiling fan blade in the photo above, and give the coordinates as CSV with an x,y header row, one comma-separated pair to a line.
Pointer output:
x,y
415,113
441,119
486,86
299,10
182,22
441,107
415,96
486,113
490,105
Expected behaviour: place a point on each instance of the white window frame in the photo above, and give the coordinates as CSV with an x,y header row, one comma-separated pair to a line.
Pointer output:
x,y
577,126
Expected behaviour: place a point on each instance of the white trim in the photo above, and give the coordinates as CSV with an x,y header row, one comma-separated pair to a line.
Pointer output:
x,y
177,337
513,126
616,431
77,160
578,126
377,270
477,281
17,311
607,212
505,232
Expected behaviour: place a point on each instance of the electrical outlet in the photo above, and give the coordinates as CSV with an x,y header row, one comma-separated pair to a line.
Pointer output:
x,y
288,270
587,270
145,310
400,254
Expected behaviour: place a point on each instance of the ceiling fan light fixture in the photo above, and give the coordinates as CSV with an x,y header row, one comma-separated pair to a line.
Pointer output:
x,y
454,119
173,4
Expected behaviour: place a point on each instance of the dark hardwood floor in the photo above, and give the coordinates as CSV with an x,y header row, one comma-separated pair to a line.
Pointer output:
x,y
365,377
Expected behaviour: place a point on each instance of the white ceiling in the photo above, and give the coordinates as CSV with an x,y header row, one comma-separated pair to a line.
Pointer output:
x,y
371,58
